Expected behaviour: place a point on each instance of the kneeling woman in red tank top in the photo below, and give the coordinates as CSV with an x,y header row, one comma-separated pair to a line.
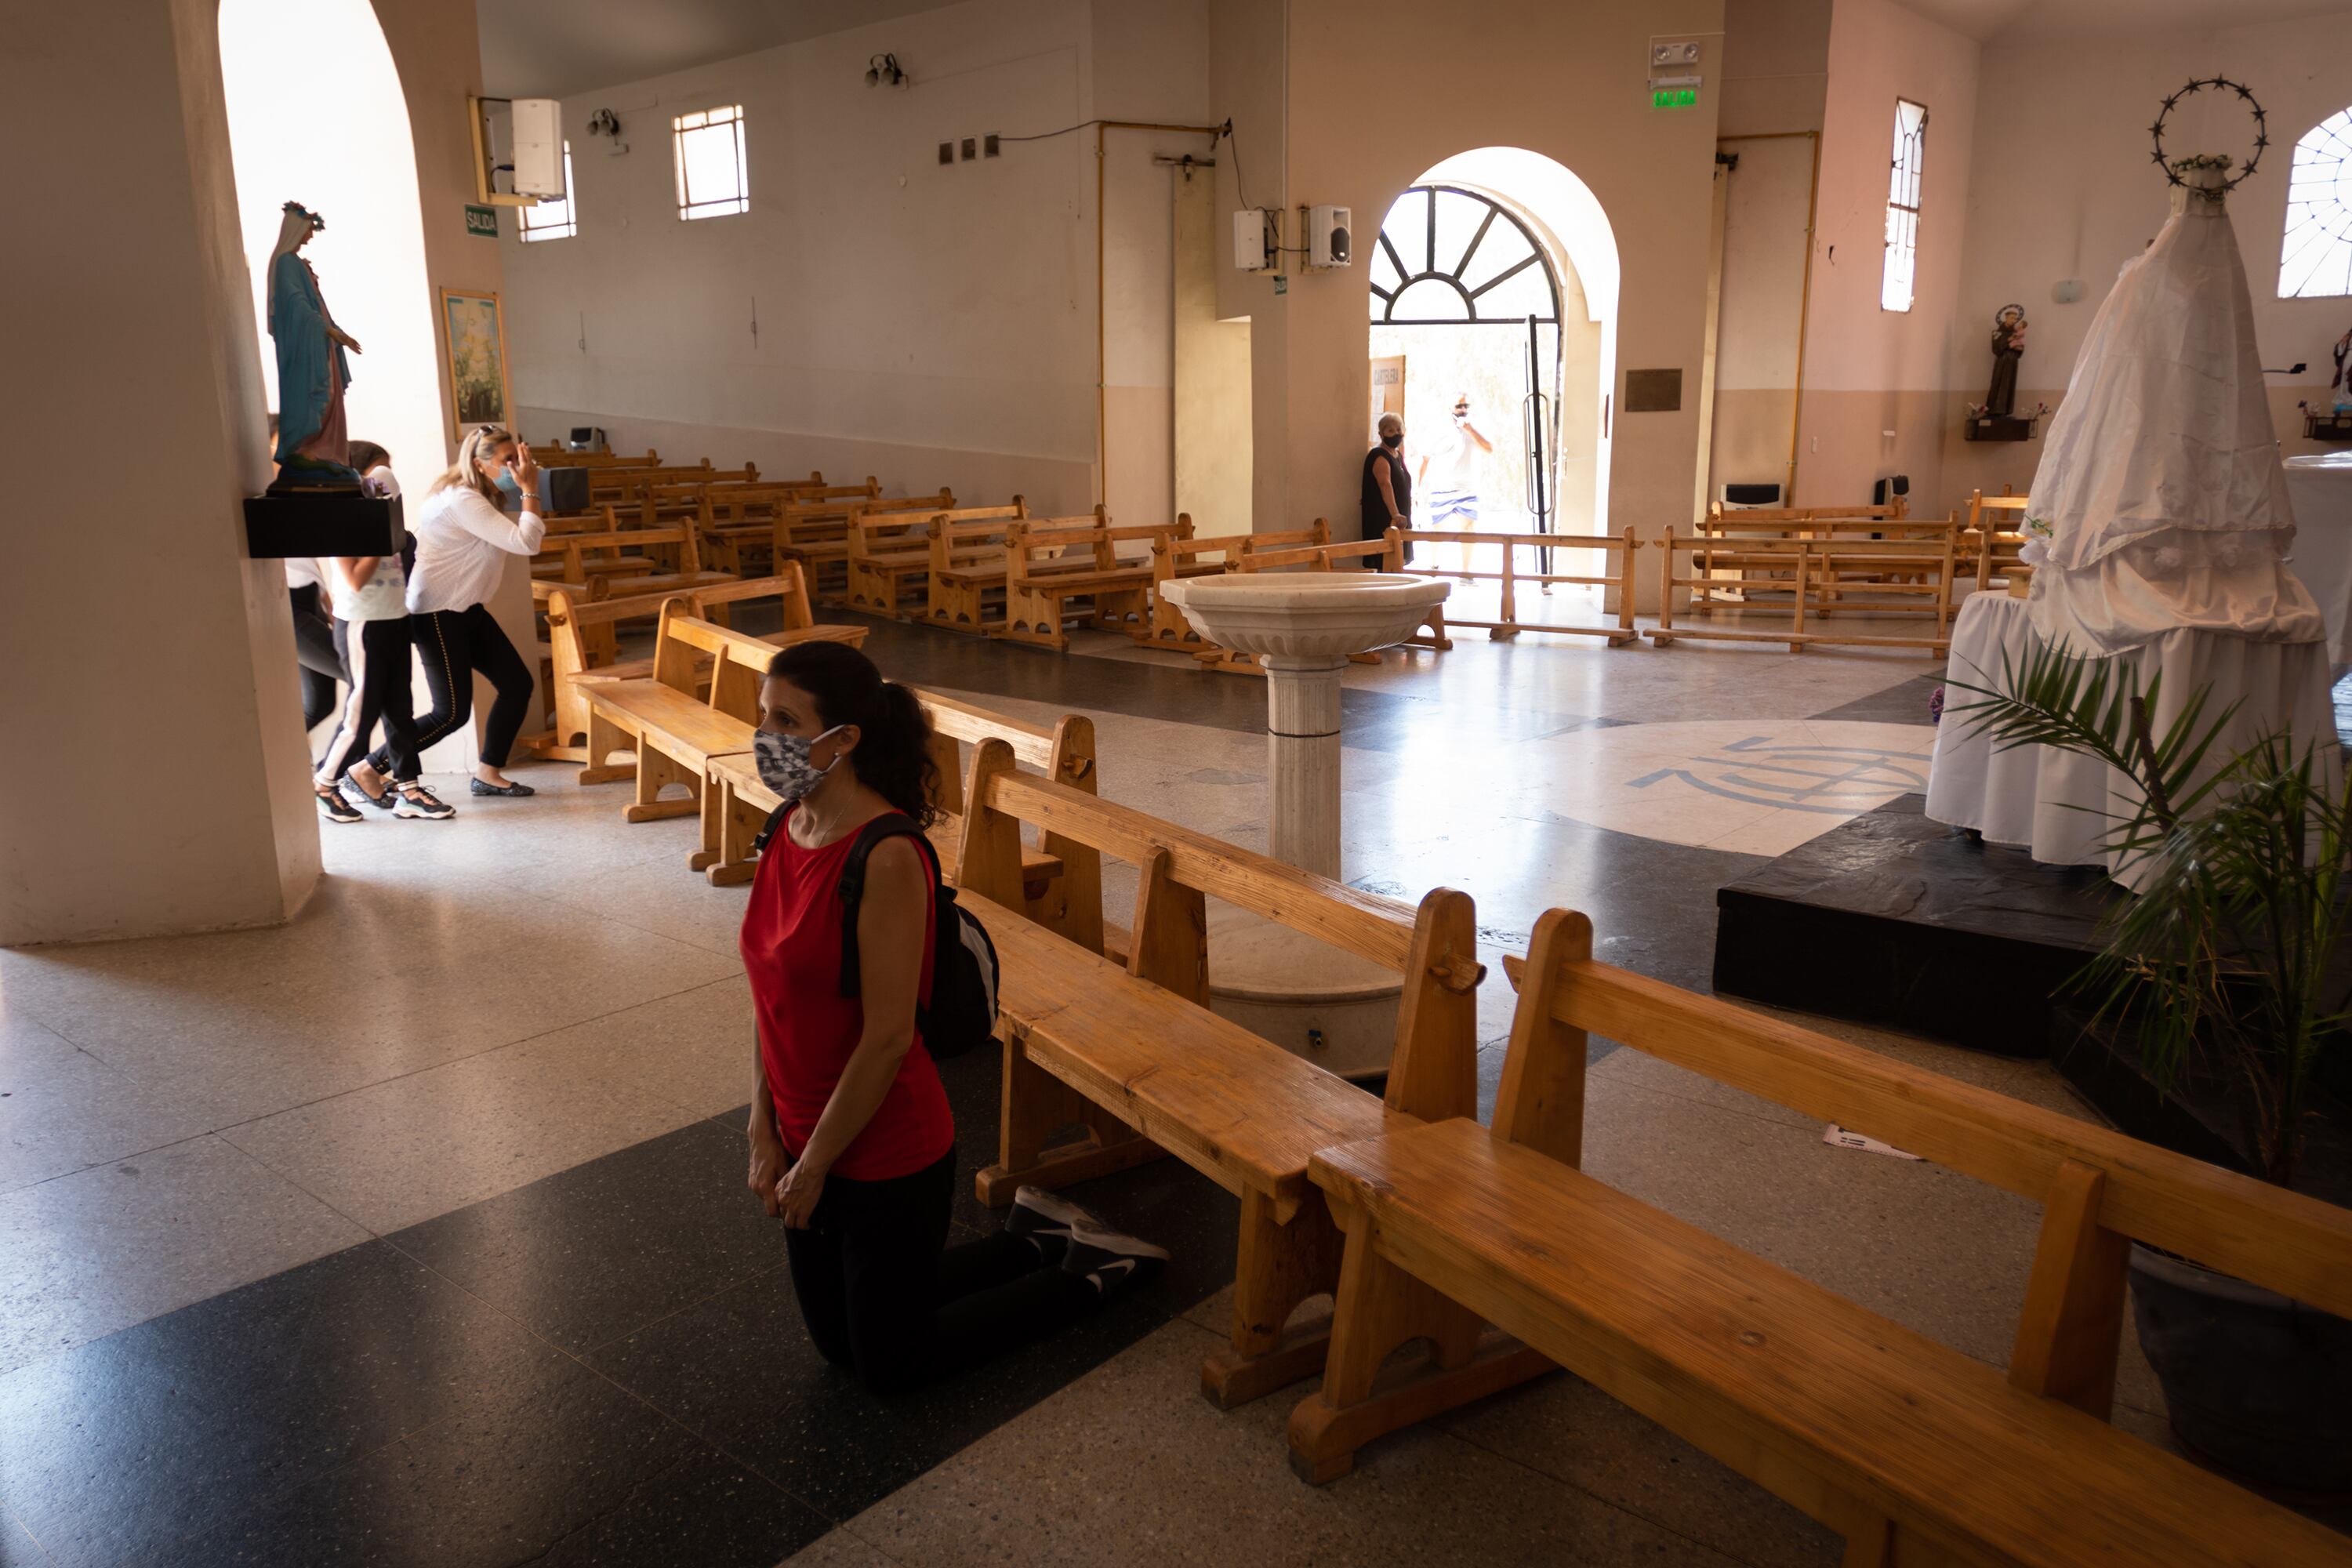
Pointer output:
x,y
852,1144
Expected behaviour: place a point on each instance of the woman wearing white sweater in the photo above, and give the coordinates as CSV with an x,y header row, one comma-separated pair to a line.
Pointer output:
x,y
463,543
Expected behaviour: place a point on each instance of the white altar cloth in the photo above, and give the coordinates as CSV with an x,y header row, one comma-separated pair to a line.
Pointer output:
x,y
2061,807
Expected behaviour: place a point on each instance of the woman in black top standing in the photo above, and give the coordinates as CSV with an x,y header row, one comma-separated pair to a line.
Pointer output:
x,y
1388,487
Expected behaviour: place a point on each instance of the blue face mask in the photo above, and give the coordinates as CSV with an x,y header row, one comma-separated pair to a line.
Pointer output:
x,y
507,482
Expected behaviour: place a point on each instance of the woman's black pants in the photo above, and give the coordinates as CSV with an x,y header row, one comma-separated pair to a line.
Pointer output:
x,y
452,646
884,1295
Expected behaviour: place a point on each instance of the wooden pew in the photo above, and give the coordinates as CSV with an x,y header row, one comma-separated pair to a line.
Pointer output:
x,y
1051,896
970,574
890,555
556,455
689,501
1916,1452
627,486
1184,555
1043,571
619,563
816,535
578,654
674,732
1820,575
739,525
1995,534
1131,1056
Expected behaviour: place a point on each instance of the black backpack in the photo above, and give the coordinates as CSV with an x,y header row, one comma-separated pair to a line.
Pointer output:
x,y
962,1010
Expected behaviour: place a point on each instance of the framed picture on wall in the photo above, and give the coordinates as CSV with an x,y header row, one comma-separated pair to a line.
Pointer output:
x,y
475,335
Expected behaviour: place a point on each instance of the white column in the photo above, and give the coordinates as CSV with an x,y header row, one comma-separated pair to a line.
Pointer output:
x,y
1302,747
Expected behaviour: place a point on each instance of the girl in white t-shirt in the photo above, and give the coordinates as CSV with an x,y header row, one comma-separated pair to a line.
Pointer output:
x,y
370,595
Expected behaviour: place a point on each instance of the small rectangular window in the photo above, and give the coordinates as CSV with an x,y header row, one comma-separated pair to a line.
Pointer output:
x,y
554,219
712,179
1896,283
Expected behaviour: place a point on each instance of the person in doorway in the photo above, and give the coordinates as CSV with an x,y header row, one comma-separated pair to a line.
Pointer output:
x,y
1450,480
852,1144
463,543
1388,487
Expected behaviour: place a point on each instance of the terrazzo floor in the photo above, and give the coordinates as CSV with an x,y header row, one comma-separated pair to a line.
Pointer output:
x,y
413,1232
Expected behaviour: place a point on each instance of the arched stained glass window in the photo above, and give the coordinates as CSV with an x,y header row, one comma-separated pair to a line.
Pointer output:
x,y
1447,256
2315,256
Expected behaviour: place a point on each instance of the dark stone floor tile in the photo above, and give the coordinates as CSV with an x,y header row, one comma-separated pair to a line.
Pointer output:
x,y
1652,903
112,1451
707,1512
1905,702
581,1462
592,1253
739,1369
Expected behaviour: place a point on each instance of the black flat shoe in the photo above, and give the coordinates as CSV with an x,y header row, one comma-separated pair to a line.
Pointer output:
x,y
516,790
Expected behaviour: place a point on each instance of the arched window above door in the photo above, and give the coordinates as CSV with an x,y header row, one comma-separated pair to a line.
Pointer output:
x,y
2316,254
1448,256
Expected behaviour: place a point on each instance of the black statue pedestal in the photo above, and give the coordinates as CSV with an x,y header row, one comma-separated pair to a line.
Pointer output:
x,y
321,522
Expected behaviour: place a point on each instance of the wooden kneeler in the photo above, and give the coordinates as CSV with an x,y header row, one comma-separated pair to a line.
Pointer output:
x,y
1381,1308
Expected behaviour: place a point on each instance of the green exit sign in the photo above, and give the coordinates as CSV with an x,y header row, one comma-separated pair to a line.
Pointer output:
x,y
1673,97
483,221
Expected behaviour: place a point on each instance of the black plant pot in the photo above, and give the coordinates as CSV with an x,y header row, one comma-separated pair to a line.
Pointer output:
x,y
2258,1383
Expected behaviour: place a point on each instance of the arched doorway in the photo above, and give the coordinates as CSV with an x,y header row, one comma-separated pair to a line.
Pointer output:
x,y
1495,276
316,115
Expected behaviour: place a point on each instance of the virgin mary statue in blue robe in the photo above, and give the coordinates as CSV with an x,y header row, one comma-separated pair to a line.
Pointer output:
x,y
313,440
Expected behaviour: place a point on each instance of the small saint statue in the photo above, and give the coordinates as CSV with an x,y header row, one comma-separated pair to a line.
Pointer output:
x,y
313,440
2341,385
2008,348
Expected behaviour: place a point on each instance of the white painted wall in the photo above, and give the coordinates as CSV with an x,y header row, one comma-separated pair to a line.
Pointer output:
x,y
2065,189
1868,370
928,325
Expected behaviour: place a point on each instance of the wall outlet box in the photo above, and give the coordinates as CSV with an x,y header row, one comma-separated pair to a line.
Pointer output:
x,y
1253,240
947,152
538,147
988,146
1327,239
970,149
2067,291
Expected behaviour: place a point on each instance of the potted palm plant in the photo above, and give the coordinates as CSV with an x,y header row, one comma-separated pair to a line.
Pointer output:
x,y
2229,959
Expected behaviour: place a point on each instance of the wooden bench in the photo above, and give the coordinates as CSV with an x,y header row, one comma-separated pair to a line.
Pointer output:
x,y
581,648
675,732
1995,534
971,570
1046,568
626,487
626,560
1065,753
1914,1451
556,455
1130,1057
891,555
1619,582
739,522
816,535
689,501
1820,576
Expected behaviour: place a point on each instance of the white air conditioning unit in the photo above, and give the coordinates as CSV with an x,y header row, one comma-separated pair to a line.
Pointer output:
x,y
1253,240
1327,240
538,147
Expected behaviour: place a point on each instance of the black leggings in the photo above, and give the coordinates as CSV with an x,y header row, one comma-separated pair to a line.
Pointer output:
x,y
376,653
455,645
884,1295
314,650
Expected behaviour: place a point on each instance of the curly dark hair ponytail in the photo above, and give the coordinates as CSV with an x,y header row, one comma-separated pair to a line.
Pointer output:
x,y
893,754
